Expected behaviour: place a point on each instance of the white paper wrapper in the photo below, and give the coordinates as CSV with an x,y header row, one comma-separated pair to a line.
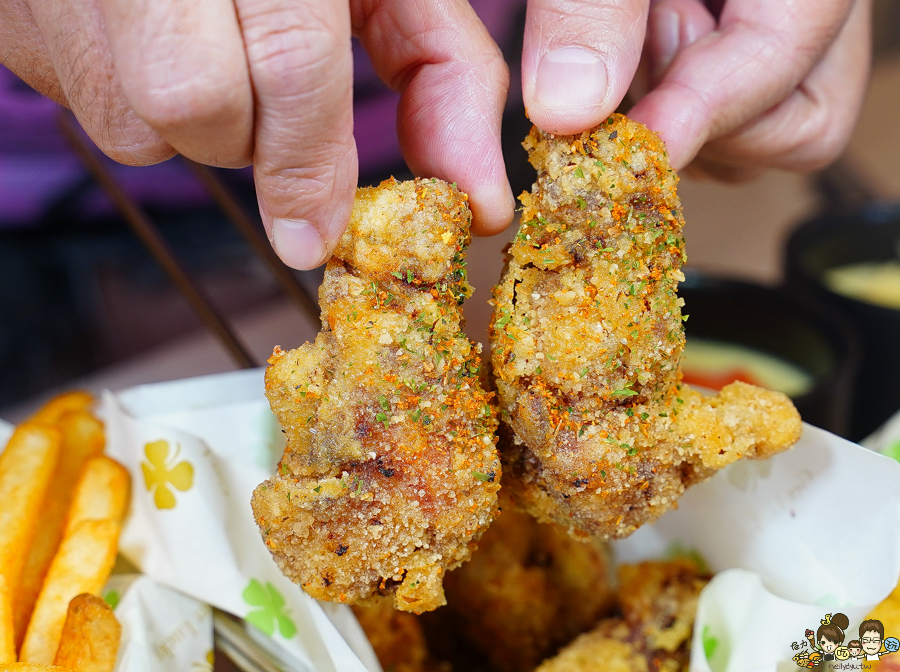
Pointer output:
x,y
196,449
162,629
6,431
791,537
811,531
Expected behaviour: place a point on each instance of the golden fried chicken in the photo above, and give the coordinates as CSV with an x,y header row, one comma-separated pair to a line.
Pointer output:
x,y
390,471
528,589
586,337
396,637
658,601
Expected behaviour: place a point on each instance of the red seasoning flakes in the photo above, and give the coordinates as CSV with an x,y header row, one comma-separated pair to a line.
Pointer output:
x,y
586,338
391,471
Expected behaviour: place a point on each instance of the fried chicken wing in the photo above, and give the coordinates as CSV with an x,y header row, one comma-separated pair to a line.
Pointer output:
x,y
390,471
396,637
586,337
528,589
658,601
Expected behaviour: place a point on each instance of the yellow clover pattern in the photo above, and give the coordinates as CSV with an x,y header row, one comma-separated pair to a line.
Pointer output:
x,y
162,473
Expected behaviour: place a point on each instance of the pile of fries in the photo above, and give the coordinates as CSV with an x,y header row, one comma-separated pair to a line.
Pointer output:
x,y
62,503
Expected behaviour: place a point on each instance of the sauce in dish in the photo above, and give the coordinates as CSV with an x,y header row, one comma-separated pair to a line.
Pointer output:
x,y
714,364
876,282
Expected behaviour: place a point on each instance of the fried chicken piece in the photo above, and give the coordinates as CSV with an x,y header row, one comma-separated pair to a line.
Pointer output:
x,y
528,589
390,471
658,601
397,638
586,337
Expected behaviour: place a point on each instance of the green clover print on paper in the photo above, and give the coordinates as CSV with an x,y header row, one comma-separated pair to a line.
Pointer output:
x,y
271,609
160,472
710,643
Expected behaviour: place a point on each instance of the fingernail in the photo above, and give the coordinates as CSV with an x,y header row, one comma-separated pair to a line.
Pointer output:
x,y
664,38
570,77
298,243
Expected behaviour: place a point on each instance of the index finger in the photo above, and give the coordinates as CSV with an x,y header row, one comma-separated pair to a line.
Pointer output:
x,y
304,161
760,52
453,84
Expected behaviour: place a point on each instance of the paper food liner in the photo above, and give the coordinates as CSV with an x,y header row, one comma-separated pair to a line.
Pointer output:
x,y
196,449
811,531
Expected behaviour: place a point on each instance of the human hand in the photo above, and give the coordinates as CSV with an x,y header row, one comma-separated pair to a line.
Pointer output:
x,y
735,86
269,82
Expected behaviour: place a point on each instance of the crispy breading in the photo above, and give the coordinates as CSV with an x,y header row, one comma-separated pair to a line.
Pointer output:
x,y
528,589
390,471
586,337
397,637
658,601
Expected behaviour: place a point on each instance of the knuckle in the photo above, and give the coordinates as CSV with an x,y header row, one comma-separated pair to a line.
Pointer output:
x,y
286,52
144,150
205,97
820,140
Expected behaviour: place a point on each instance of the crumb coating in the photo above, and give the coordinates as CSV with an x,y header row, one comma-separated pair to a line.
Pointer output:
x,y
529,589
390,471
586,336
396,637
658,601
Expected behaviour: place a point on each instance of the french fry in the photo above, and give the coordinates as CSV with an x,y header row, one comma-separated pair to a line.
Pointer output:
x,y
82,565
51,412
101,493
82,439
90,636
7,640
30,667
26,467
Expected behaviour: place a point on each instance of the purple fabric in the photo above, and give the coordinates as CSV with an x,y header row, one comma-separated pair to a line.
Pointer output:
x,y
37,168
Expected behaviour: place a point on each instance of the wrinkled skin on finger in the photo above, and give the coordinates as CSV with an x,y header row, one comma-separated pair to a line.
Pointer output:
x,y
269,82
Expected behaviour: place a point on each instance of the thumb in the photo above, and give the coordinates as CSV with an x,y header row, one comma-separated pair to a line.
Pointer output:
x,y
578,60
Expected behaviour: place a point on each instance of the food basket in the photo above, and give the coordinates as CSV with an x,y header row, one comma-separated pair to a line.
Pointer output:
x,y
810,531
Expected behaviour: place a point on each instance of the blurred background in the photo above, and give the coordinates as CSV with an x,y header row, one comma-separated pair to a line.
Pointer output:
x,y
83,303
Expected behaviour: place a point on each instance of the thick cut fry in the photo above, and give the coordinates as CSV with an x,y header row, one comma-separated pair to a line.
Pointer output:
x,y
82,439
101,494
26,467
90,636
51,412
82,565
7,640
